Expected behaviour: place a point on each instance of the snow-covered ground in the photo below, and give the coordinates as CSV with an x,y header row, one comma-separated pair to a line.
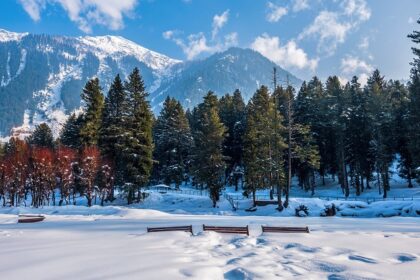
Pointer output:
x,y
112,243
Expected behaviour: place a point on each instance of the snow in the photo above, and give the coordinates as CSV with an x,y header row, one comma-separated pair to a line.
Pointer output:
x,y
22,62
111,242
6,80
6,36
118,47
50,104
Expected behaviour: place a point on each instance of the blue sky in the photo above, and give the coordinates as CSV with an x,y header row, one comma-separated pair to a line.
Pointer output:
x,y
306,37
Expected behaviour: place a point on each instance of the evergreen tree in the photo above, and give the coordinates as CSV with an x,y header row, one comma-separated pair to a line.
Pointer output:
x,y
301,147
41,137
137,153
111,135
70,133
400,129
381,121
94,103
232,115
338,115
208,162
172,137
307,115
263,145
414,105
358,136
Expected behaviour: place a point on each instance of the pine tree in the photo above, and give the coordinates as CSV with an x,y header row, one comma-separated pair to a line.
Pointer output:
x,y
400,129
302,151
137,153
232,115
70,134
263,145
111,135
41,137
358,136
414,105
173,140
381,121
338,115
94,103
307,115
208,162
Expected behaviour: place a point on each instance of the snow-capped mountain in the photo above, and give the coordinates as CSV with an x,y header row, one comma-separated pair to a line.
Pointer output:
x,y
41,76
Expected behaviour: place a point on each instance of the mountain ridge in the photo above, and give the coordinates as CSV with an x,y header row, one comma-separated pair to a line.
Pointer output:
x,y
41,76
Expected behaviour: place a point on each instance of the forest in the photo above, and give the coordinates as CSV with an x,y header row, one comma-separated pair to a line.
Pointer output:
x,y
116,146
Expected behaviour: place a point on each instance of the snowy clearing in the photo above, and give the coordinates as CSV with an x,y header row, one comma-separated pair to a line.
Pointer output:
x,y
112,243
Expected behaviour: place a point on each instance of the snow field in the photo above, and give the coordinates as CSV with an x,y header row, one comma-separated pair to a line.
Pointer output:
x,y
114,244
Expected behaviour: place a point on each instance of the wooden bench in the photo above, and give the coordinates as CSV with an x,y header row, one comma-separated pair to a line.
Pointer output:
x,y
30,218
177,228
265,202
238,230
285,229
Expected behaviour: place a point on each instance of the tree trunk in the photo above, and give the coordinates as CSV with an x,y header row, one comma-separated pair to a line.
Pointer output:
x,y
410,184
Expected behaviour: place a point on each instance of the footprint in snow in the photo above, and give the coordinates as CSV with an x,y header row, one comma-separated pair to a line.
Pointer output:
x,y
346,277
362,259
403,258
301,248
329,267
238,274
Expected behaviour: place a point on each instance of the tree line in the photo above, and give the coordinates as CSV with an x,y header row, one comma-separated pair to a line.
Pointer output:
x,y
350,133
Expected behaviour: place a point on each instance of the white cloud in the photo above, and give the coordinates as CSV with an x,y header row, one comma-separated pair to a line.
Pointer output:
x,y
300,5
364,43
33,8
168,34
275,13
288,55
352,66
218,22
231,40
197,44
343,80
331,28
328,29
363,78
357,8
86,13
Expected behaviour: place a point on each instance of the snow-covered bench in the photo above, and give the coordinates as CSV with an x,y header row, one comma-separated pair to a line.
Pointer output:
x,y
177,228
238,230
285,229
30,218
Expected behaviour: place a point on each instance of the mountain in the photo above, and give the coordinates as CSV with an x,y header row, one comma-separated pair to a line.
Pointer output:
x,y
41,76
236,68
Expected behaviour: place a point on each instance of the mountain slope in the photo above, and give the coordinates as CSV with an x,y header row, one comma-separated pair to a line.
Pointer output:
x,y
41,76
236,68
